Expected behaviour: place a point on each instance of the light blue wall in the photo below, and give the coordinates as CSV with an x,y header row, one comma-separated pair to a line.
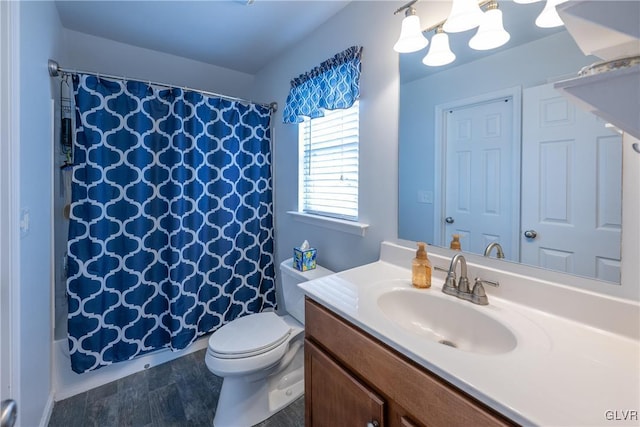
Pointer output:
x,y
368,23
371,25
40,39
90,53
44,38
526,65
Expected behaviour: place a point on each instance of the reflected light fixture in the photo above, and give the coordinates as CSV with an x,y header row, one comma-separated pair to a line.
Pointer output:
x,y
439,52
491,33
465,15
411,37
549,17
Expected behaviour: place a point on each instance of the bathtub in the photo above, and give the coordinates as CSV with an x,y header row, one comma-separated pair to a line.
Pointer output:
x,y
67,383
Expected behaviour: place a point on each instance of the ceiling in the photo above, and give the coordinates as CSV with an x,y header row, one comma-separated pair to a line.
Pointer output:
x,y
245,37
227,33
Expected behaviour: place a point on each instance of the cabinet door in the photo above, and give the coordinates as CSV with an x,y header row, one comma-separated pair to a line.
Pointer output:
x,y
334,398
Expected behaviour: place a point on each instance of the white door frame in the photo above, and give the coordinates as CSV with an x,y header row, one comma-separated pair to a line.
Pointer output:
x,y
440,158
10,198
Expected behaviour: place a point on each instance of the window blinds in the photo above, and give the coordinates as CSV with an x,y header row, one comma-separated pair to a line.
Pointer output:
x,y
329,164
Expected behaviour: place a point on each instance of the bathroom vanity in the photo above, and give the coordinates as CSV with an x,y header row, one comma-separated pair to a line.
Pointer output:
x,y
352,377
379,352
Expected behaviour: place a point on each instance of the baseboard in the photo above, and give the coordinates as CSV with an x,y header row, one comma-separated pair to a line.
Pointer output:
x,y
48,410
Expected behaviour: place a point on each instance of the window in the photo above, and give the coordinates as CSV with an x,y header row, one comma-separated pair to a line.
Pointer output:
x,y
329,164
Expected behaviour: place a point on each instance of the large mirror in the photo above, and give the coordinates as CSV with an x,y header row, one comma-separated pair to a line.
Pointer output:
x,y
490,151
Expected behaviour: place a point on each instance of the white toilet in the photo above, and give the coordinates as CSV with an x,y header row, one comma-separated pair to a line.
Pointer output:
x,y
260,356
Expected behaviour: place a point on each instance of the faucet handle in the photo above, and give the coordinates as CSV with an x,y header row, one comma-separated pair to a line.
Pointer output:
x,y
478,295
449,286
488,282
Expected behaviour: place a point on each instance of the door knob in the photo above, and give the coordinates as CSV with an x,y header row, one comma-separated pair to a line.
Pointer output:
x,y
449,220
373,423
530,234
9,413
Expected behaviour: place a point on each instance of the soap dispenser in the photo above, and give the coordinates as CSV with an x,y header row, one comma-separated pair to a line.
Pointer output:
x,y
421,268
455,242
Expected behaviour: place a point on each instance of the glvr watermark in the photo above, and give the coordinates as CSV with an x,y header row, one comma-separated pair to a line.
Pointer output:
x,y
622,415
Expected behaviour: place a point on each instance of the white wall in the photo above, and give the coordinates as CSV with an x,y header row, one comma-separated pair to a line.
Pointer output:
x,y
90,53
371,25
40,38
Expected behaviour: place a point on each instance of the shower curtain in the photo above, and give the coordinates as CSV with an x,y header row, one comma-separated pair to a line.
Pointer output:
x,y
171,228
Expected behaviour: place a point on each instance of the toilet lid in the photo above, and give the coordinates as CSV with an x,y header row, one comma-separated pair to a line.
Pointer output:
x,y
249,335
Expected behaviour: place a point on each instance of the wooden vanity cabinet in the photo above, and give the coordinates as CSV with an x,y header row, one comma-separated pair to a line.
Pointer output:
x,y
354,380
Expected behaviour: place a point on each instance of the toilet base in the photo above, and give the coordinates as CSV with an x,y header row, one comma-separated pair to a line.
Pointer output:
x,y
245,402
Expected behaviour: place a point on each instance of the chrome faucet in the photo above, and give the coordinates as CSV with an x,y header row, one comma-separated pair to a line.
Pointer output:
x,y
461,288
499,252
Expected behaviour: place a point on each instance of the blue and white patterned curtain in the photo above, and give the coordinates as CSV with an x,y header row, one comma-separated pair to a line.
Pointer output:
x,y
333,85
171,231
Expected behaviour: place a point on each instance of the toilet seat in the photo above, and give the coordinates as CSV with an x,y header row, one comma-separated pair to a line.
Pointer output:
x,y
248,336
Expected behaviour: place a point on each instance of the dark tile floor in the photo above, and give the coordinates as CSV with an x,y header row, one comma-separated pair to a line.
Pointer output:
x,y
182,392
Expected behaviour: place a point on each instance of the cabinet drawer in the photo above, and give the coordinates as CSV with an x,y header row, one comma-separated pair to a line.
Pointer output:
x,y
429,399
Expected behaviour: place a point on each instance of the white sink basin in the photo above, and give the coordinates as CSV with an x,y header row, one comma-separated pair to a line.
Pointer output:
x,y
446,320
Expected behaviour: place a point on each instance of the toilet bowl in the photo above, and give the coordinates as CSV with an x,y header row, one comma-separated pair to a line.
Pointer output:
x,y
260,356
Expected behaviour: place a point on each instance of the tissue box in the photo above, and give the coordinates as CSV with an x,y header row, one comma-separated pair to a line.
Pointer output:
x,y
304,260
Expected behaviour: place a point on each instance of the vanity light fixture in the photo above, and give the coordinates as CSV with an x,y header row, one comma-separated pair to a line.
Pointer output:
x,y
549,17
465,15
411,37
439,53
491,33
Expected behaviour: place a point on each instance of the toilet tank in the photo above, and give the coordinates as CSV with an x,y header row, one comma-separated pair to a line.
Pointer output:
x,y
293,296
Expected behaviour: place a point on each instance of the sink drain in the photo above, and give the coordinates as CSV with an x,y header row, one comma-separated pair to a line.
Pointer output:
x,y
449,343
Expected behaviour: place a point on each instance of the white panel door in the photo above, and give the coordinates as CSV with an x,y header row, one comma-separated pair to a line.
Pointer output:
x,y
479,176
571,187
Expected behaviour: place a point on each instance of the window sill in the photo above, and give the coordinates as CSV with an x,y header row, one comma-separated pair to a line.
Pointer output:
x,y
351,227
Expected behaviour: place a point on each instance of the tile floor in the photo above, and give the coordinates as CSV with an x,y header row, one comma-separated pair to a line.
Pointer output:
x,y
182,392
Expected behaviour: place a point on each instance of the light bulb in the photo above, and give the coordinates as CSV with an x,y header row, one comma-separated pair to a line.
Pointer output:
x,y
491,33
464,15
411,38
439,52
549,17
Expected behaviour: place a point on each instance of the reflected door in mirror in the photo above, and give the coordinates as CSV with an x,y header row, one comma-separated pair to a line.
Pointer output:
x,y
571,188
480,168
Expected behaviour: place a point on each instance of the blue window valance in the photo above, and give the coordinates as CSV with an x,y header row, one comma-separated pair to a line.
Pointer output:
x,y
333,85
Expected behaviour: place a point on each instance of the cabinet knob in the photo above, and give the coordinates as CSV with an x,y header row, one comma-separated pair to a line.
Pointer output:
x,y
373,423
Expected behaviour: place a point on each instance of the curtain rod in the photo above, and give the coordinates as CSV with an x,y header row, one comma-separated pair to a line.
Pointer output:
x,y
55,70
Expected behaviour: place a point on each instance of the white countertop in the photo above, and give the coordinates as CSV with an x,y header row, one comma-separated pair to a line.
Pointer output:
x,y
561,372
